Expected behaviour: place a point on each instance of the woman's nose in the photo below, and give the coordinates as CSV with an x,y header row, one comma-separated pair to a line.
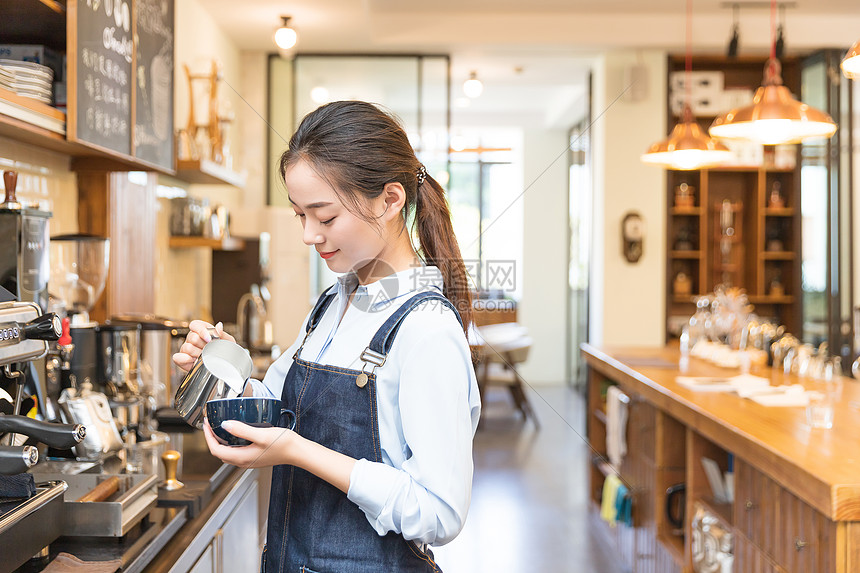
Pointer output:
x,y
311,235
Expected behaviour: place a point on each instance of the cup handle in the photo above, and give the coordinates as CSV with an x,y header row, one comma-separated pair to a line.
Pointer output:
x,y
291,419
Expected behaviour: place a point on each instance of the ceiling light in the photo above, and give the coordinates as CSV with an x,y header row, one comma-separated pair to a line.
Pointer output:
x,y
320,95
851,64
774,117
285,36
473,86
688,146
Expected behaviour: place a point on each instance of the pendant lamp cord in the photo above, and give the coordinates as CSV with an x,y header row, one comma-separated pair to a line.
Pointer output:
x,y
772,31
688,63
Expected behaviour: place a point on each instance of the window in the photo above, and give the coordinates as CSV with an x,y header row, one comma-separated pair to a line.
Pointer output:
x,y
484,190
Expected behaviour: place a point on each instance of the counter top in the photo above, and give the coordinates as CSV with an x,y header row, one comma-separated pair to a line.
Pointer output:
x,y
820,466
167,529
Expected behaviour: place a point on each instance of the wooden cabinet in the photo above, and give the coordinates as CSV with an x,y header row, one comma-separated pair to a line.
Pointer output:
x,y
736,225
788,531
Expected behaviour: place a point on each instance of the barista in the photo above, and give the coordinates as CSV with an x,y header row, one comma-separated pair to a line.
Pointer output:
x,y
380,376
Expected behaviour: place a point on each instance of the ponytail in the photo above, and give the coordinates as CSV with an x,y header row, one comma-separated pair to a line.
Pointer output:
x,y
439,246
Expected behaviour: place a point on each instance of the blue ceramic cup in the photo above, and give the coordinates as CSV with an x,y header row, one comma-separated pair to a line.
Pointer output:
x,y
251,410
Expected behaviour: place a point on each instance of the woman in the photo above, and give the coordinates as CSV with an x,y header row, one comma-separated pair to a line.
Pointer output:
x,y
379,465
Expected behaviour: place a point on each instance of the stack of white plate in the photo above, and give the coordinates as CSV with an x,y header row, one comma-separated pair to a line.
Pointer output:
x,y
27,79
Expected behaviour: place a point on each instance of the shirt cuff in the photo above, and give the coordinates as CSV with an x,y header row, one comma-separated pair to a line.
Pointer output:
x,y
370,485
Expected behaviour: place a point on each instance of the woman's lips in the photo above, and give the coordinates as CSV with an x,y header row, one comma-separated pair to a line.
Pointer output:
x,y
327,255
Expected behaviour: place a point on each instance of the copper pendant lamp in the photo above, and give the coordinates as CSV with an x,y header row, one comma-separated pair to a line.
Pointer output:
x,y
688,146
851,64
774,117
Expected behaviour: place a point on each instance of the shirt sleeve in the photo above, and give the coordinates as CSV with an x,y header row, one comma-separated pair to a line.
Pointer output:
x,y
427,499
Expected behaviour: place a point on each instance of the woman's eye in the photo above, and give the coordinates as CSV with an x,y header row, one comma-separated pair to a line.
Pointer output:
x,y
300,215
327,222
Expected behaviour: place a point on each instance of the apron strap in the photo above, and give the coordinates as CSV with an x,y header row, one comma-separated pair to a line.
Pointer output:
x,y
380,345
317,313
319,309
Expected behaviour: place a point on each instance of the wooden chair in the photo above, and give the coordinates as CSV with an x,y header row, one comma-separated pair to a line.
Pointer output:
x,y
503,347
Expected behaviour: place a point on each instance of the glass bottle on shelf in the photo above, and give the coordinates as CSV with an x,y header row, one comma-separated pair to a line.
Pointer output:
x,y
775,200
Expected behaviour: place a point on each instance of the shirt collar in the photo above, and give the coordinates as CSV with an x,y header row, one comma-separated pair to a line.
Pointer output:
x,y
392,287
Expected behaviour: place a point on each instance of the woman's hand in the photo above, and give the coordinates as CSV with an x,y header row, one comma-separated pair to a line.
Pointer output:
x,y
269,446
198,336
277,446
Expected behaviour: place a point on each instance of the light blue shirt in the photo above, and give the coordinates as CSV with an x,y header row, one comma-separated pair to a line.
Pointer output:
x,y
427,399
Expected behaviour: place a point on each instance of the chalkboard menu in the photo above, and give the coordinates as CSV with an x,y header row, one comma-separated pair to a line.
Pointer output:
x,y
153,105
104,73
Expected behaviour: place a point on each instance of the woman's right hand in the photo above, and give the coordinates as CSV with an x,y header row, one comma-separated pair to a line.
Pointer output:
x,y
198,336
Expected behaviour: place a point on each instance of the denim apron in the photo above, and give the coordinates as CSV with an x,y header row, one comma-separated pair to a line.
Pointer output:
x,y
313,527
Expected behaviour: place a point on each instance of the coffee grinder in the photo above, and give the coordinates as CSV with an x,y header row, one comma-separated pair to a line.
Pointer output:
x,y
25,268
78,274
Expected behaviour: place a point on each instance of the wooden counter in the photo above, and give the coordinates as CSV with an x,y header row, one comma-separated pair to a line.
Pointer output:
x,y
797,489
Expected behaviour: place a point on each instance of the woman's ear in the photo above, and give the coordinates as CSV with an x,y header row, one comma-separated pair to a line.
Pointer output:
x,y
394,196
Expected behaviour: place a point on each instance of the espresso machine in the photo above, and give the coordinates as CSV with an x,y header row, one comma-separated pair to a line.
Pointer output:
x,y
24,271
31,511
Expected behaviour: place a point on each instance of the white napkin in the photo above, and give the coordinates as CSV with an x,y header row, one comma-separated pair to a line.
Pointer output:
x,y
705,383
616,426
787,398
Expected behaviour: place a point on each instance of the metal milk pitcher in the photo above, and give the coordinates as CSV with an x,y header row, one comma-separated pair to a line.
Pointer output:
x,y
221,371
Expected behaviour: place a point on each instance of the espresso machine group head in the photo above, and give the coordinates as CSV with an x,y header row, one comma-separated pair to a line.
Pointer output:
x,y
25,268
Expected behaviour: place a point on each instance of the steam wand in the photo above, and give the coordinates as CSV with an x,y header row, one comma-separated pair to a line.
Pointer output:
x,y
18,376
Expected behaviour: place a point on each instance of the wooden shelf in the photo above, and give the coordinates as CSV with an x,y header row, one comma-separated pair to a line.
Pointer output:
x,y
32,122
778,255
686,211
723,510
225,244
685,254
208,172
690,298
735,168
767,299
32,111
600,415
779,212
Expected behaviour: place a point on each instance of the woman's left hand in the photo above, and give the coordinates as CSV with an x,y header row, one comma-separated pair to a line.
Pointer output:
x,y
269,446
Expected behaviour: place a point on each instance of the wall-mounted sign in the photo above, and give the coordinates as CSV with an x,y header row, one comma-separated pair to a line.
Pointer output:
x,y
153,115
103,50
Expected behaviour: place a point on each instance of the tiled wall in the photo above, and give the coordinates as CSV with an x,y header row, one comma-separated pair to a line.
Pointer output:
x,y
183,277
44,178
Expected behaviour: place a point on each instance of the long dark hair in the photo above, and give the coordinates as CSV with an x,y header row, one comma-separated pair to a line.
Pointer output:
x,y
357,149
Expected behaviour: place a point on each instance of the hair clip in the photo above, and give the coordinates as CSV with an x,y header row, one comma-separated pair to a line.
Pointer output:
x,y
421,175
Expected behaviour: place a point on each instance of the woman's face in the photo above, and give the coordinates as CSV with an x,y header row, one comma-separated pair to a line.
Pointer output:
x,y
344,240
